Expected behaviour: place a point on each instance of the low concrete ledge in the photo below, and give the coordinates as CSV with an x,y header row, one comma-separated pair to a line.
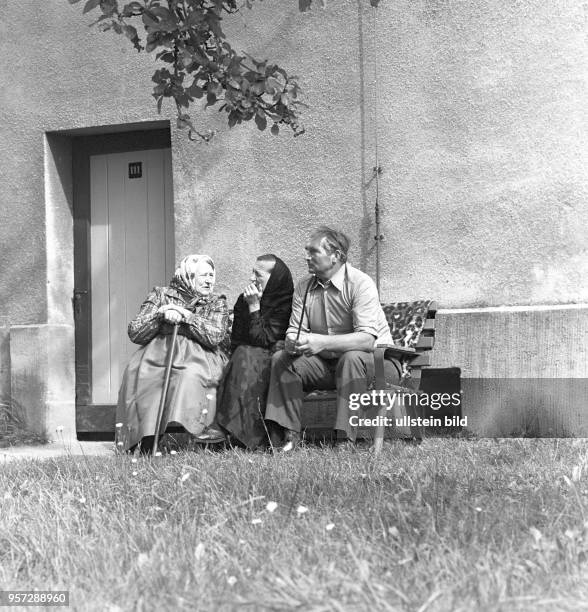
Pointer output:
x,y
524,369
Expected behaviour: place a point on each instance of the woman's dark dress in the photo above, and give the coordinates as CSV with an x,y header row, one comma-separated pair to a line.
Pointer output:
x,y
243,391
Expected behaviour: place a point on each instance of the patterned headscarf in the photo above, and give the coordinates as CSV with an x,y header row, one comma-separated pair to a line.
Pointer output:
x,y
184,279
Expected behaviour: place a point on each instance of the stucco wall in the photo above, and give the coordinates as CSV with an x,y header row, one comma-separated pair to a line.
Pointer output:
x,y
482,128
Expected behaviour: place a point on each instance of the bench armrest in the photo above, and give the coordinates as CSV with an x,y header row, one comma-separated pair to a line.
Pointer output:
x,y
397,351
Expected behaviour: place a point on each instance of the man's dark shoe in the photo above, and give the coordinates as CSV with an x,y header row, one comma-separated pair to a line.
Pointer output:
x,y
291,441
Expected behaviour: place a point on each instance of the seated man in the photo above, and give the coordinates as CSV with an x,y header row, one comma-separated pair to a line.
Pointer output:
x,y
336,321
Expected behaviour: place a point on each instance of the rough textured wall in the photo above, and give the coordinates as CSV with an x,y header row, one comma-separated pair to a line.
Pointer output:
x,y
482,128
481,133
57,74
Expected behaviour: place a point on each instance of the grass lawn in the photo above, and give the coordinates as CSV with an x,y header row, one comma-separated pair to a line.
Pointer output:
x,y
448,525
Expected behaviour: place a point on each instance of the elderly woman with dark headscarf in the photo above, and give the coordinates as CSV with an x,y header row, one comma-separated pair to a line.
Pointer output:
x,y
198,362
261,316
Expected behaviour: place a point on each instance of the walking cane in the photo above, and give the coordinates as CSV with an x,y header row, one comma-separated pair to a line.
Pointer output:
x,y
168,366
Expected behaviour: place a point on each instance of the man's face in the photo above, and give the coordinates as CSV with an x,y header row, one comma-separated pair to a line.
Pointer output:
x,y
261,272
319,261
203,278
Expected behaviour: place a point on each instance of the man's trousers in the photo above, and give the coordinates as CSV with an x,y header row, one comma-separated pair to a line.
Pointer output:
x,y
292,376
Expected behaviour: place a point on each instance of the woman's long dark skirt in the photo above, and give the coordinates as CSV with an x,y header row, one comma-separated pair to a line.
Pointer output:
x,y
242,395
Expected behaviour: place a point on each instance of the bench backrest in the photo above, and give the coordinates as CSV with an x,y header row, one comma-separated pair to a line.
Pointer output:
x,y
412,324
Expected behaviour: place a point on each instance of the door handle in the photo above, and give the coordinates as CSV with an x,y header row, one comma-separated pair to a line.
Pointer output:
x,y
77,300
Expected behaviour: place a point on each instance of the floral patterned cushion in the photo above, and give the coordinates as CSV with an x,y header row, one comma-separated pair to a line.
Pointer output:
x,y
406,321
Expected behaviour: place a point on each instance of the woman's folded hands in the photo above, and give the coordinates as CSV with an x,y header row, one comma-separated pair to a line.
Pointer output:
x,y
172,313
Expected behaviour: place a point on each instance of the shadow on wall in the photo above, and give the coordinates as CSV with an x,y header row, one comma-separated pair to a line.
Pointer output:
x,y
526,407
13,427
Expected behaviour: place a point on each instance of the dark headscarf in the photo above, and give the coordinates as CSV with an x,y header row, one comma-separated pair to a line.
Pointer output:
x,y
275,308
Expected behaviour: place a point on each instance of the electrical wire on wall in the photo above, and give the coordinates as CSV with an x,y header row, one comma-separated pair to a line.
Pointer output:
x,y
377,168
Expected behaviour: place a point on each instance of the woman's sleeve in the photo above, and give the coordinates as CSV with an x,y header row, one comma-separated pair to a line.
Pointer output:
x,y
209,326
145,326
267,330
240,330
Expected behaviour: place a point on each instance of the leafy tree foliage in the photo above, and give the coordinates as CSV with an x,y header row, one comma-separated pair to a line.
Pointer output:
x,y
198,62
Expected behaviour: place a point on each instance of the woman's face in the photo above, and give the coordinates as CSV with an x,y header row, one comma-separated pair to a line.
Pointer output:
x,y
203,278
262,270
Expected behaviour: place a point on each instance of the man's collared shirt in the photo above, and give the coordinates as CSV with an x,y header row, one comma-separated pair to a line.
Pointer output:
x,y
347,303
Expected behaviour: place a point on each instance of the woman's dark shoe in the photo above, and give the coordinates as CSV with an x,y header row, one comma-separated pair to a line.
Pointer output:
x,y
210,435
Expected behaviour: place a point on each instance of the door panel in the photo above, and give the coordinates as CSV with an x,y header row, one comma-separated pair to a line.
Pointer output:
x,y
131,250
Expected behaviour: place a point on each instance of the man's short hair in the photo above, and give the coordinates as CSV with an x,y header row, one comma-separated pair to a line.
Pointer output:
x,y
332,240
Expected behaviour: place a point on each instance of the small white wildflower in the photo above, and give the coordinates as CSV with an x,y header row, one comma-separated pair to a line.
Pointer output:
x,y
134,460
173,452
478,509
199,550
330,526
82,500
185,477
232,580
158,454
209,396
241,542
256,521
205,411
537,535
59,428
135,473
271,506
576,473
393,531
119,444
142,559
301,509
363,475
7,495
119,425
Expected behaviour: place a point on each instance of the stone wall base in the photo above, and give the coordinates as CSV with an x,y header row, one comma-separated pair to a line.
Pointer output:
x,y
524,370
42,378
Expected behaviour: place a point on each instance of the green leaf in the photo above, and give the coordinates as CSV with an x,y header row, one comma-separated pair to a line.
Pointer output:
x,y
275,129
260,121
303,5
195,90
91,4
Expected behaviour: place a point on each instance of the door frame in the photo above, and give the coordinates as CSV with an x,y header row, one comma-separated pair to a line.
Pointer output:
x,y
94,419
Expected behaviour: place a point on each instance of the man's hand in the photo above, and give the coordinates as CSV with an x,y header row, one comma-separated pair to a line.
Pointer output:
x,y
290,344
311,344
252,296
172,313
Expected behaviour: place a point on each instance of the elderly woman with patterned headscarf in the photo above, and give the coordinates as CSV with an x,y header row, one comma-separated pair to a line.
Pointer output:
x,y
202,319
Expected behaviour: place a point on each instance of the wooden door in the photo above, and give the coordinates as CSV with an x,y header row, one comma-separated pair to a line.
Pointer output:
x,y
131,251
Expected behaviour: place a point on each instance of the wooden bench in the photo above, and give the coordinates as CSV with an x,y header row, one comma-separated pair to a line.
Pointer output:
x,y
319,410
